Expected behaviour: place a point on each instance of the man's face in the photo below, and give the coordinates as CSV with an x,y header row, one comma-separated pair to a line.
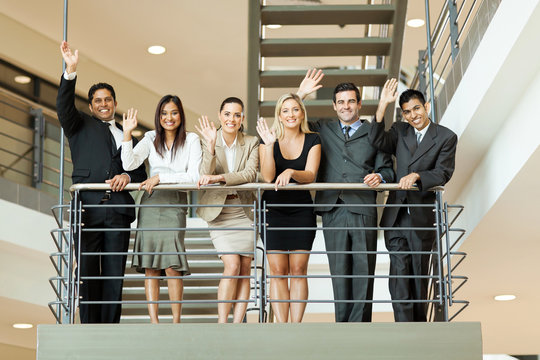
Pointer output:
x,y
347,107
416,114
103,105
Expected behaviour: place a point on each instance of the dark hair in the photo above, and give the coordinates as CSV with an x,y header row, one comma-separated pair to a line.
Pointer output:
x,y
97,87
230,100
180,137
346,87
410,94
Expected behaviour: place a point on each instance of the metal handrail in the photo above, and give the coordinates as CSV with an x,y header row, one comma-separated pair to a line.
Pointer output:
x,y
441,280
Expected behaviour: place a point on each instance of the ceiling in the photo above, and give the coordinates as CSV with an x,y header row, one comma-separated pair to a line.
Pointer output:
x,y
206,57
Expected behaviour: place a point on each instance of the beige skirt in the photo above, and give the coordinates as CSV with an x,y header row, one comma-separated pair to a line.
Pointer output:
x,y
233,240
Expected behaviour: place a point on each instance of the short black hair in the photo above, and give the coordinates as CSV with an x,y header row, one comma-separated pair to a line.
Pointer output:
x,y
346,87
99,86
410,94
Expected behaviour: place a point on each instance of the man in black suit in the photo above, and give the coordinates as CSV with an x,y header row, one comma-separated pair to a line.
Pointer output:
x,y
425,156
94,142
348,157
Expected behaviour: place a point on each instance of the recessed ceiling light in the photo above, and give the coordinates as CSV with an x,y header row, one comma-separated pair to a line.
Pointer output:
x,y
505,297
415,23
273,26
137,132
23,326
22,79
156,49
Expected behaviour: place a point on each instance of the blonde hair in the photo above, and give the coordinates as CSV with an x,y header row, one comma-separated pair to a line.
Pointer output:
x,y
278,126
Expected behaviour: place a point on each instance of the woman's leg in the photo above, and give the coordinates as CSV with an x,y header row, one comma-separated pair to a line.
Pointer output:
x,y
176,293
243,288
299,286
151,287
227,287
279,287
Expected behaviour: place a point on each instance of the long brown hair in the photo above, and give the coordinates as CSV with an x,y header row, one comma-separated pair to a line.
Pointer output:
x,y
180,137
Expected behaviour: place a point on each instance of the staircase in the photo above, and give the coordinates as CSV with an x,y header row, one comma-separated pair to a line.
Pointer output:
x,y
362,44
194,289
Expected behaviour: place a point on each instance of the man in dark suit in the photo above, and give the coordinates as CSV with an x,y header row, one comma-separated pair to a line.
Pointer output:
x,y
348,157
94,142
425,156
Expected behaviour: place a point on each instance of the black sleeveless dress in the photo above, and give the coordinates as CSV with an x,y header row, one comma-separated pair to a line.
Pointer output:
x,y
290,216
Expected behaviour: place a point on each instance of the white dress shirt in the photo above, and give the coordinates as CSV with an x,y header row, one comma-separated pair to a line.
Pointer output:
x,y
230,153
422,133
183,168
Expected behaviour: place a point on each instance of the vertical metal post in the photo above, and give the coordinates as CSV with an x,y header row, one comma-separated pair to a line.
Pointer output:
x,y
421,72
442,314
39,140
65,272
430,64
254,60
454,32
448,259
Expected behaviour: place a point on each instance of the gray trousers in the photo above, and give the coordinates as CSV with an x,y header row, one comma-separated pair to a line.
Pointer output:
x,y
346,288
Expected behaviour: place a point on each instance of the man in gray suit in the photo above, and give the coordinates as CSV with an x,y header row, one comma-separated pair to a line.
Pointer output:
x,y
348,157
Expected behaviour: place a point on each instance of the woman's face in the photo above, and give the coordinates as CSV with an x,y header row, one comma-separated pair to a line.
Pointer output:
x,y
291,114
170,117
231,117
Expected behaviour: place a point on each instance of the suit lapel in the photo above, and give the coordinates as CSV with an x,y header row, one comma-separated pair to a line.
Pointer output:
x,y
362,131
220,152
336,128
427,143
410,140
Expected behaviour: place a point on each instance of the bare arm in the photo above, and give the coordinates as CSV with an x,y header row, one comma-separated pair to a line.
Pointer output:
x,y
266,151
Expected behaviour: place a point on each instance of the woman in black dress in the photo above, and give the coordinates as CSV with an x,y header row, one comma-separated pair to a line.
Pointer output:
x,y
290,153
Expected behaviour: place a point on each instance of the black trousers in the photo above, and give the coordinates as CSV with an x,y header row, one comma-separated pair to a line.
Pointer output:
x,y
408,265
102,265
351,264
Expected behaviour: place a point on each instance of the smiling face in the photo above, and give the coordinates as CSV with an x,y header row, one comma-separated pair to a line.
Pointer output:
x,y
416,113
231,117
170,118
347,107
103,105
291,114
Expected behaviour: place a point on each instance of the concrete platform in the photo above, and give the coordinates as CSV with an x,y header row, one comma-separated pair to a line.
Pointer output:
x,y
312,341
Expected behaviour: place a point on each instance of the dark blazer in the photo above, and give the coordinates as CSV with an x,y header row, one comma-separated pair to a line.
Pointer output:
x,y
433,159
92,153
348,161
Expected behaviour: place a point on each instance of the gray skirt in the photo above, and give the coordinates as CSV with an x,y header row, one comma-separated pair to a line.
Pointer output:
x,y
161,241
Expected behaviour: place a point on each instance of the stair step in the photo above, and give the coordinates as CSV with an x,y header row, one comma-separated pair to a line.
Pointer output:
x,y
198,293
165,309
319,108
326,47
327,14
332,77
167,319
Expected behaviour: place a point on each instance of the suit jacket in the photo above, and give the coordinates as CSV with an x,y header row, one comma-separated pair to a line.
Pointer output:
x,y
245,171
348,161
94,157
433,159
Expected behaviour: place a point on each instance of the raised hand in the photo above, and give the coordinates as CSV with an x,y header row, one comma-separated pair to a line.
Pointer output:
x,y
310,83
129,123
267,135
71,58
389,91
208,131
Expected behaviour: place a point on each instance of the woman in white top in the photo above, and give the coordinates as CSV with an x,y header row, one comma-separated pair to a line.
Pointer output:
x,y
174,157
230,157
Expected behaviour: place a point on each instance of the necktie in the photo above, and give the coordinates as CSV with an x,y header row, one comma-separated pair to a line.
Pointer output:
x,y
418,138
113,141
347,129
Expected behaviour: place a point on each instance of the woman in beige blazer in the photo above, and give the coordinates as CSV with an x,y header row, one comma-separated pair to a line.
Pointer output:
x,y
231,158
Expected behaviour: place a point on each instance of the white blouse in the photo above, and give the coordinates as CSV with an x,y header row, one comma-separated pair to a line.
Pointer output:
x,y
184,168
